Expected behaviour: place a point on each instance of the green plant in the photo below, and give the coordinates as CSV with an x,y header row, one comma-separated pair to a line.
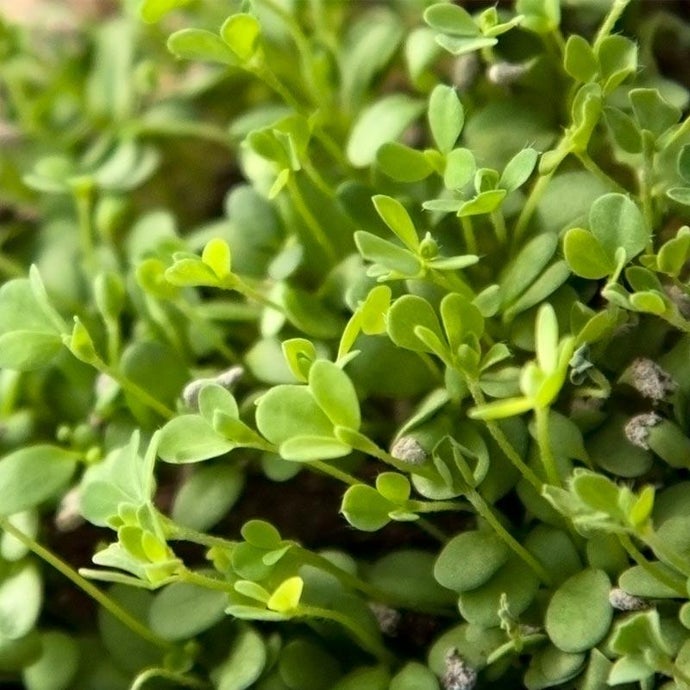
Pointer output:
x,y
444,302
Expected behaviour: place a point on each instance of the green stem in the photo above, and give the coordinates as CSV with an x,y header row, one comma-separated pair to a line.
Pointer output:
x,y
179,679
437,506
82,191
609,22
646,182
468,232
135,390
269,78
334,472
530,206
431,529
592,166
499,223
362,636
205,581
250,293
177,532
516,547
503,443
178,129
675,583
544,442
103,599
311,222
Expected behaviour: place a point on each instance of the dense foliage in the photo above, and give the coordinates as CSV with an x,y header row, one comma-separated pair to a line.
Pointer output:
x,y
345,345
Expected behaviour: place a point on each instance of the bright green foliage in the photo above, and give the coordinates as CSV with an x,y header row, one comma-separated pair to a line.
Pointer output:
x,y
287,280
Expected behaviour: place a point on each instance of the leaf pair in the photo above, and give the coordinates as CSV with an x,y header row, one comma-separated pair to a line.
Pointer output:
x,y
310,422
617,233
216,430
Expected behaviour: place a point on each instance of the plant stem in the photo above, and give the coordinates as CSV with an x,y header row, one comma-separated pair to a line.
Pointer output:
x,y
437,506
311,222
179,679
334,472
103,599
177,532
431,529
205,581
134,389
646,181
468,232
499,223
518,549
609,22
592,166
530,206
544,442
82,191
503,443
676,584
362,636
250,293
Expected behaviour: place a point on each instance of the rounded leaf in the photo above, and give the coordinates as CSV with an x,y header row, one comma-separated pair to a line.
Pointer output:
x,y
21,596
190,438
334,393
446,117
288,411
469,560
616,221
183,610
579,614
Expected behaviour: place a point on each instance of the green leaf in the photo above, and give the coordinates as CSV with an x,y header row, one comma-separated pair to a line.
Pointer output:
x,y
617,59
183,610
469,560
286,597
405,314
261,534
402,163
153,10
371,40
198,44
28,350
365,508
541,16
683,163
393,486
190,438
461,319
395,216
414,676
579,59
679,194
32,475
499,409
306,448
624,130
21,597
616,221
579,614
207,495
216,254
244,663
57,665
379,123
191,272
485,202
527,265
518,170
387,254
515,579
446,116
652,111
374,309
307,312
460,168
306,665
241,33
586,256
288,411
461,45
451,19
335,394
300,354
550,667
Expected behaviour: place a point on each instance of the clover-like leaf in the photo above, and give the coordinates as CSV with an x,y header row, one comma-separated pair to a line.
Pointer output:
x,y
405,314
335,394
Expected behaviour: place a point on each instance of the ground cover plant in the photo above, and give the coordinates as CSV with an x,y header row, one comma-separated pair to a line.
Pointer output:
x,y
345,345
